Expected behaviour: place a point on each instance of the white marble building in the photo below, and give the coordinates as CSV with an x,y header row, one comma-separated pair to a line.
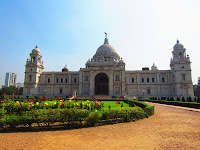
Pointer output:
x,y
105,75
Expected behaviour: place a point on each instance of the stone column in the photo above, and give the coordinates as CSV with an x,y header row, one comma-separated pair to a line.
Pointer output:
x,y
52,82
70,83
80,83
110,84
123,83
92,83
158,84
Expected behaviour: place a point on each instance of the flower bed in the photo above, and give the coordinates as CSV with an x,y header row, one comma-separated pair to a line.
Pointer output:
x,y
69,112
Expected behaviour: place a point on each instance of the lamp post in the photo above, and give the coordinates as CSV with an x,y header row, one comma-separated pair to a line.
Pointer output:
x,y
44,92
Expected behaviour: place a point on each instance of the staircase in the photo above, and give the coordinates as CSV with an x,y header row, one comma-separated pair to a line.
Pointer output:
x,y
100,97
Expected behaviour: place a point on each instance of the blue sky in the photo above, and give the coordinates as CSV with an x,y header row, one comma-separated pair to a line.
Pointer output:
x,y
68,32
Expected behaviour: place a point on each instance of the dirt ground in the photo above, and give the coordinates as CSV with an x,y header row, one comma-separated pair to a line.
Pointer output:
x,y
169,128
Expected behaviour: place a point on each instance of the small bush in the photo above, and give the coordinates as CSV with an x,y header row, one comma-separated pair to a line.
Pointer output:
x,y
92,119
198,100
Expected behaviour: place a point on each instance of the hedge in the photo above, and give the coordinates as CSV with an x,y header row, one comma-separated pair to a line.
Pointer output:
x,y
74,117
147,108
177,103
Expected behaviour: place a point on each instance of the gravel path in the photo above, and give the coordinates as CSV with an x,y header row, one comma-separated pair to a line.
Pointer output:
x,y
169,128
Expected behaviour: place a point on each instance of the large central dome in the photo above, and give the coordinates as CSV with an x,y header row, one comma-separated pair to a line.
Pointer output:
x,y
106,48
106,51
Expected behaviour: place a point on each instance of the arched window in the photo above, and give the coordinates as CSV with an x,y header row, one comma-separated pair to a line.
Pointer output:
x,y
180,55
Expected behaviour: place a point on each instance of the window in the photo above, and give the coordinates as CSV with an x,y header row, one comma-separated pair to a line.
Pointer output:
x,y
57,81
28,91
61,80
30,78
60,91
48,80
148,91
163,79
66,80
152,79
147,79
86,78
180,55
183,77
132,80
117,78
117,90
74,80
142,79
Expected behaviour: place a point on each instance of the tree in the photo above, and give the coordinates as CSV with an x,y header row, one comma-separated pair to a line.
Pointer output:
x,y
11,89
197,88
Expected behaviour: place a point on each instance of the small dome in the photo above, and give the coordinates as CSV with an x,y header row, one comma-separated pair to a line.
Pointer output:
x,y
65,69
121,62
36,50
154,67
88,62
178,45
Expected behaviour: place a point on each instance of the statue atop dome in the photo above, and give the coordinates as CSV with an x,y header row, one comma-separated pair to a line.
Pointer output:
x,y
106,39
106,35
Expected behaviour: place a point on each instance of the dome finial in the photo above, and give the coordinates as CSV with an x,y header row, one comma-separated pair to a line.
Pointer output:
x,y
106,39
177,41
105,35
36,46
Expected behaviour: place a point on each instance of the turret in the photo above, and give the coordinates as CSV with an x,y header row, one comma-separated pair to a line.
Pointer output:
x,y
181,72
33,70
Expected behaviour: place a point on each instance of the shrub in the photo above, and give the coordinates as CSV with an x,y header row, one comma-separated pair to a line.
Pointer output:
x,y
92,119
198,100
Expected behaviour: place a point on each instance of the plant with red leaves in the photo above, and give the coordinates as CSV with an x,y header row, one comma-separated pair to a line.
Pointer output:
x,y
117,102
63,104
44,98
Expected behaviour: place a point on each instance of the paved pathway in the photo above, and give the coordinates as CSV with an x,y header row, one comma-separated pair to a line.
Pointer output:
x,y
169,128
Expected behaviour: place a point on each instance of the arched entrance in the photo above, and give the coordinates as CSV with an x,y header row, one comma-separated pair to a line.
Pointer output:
x,y
101,84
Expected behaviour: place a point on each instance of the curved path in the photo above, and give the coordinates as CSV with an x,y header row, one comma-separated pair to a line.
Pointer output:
x,y
169,128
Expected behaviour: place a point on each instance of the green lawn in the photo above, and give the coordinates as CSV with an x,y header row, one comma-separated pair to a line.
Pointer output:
x,y
113,104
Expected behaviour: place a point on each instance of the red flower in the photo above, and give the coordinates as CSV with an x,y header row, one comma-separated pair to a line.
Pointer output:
x,y
10,96
117,102
55,98
58,97
4,94
63,104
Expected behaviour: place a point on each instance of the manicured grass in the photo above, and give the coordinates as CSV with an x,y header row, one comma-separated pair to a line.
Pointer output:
x,y
113,104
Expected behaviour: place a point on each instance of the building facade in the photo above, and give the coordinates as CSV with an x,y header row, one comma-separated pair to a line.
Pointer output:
x,y
11,79
105,75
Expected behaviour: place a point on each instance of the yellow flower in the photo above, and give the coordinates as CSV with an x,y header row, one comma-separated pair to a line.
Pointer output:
x,y
37,103
61,101
95,110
